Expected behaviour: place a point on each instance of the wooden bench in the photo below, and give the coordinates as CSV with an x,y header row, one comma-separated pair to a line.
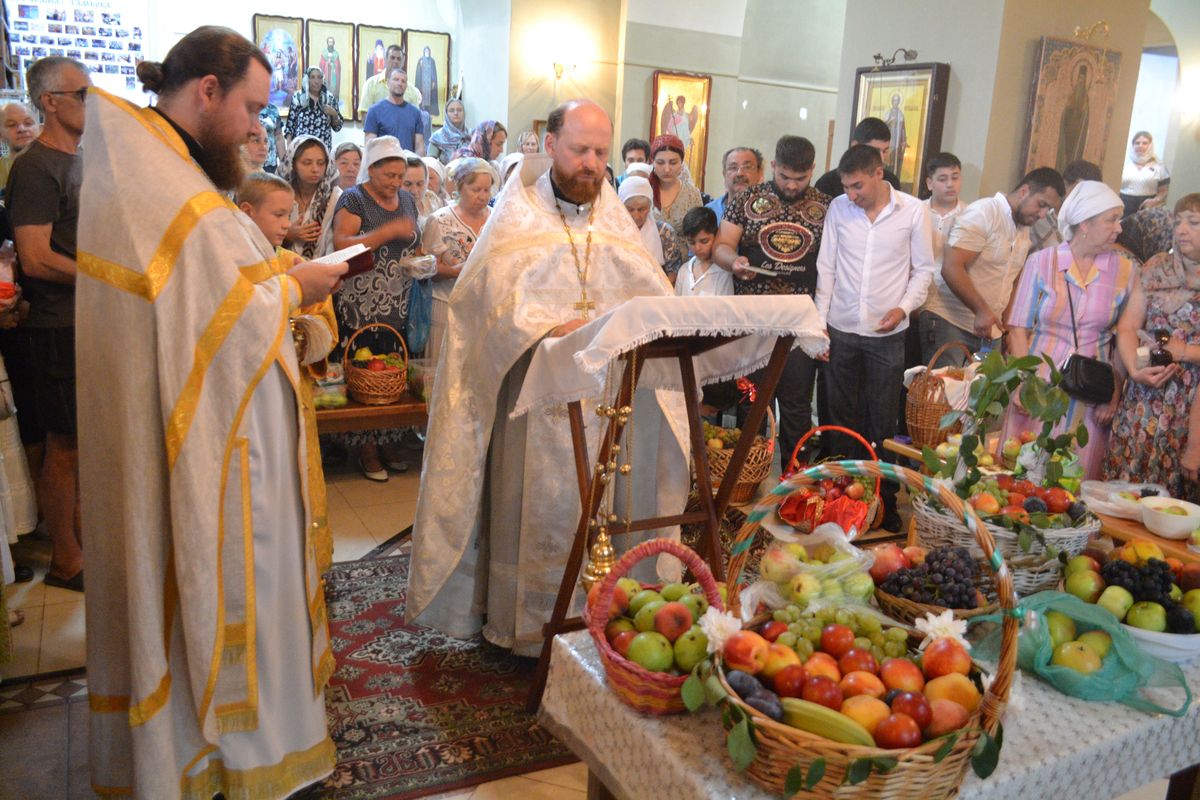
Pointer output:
x,y
355,416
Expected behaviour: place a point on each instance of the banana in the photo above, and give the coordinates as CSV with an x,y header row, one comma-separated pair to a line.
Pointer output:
x,y
823,721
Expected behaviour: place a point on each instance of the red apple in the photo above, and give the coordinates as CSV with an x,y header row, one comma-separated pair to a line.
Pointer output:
x,y
821,690
747,651
945,656
823,664
888,559
902,674
836,640
789,681
915,705
856,659
621,641
771,630
673,620
897,731
618,625
945,716
916,555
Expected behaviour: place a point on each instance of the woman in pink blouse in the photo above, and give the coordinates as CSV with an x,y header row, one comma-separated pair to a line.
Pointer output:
x,y
1099,281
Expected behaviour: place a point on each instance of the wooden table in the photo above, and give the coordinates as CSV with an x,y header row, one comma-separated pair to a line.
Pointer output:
x,y
1122,530
355,416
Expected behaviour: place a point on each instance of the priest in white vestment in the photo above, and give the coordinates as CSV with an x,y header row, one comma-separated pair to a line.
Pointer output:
x,y
499,501
208,646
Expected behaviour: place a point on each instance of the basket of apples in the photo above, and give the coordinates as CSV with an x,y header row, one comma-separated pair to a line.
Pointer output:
x,y
913,582
376,379
649,639
903,726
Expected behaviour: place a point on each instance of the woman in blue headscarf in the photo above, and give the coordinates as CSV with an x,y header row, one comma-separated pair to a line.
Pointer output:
x,y
453,135
487,142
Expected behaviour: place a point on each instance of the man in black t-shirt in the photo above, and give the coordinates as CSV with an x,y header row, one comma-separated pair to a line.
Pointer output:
x,y
870,131
769,239
43,206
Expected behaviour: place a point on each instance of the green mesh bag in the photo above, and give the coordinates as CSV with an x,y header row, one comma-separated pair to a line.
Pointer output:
x,y
1126,669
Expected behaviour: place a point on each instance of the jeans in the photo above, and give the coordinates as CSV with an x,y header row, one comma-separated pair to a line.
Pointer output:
x,y
937,331
795,397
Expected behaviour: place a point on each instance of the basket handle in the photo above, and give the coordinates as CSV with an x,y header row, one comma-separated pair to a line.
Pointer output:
x,y
997,693
350,344
704,576
938,353
793,462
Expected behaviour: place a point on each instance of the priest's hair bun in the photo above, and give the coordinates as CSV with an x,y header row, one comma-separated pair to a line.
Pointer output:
x,y
152,76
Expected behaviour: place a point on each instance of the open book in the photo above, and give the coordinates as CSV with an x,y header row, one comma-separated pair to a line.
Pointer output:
x,y
357,255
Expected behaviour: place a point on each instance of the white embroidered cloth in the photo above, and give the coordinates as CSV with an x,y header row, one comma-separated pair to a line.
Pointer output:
x,y
575,366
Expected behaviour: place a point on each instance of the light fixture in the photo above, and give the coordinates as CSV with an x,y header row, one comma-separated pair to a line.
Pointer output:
x,y
880,61
559,69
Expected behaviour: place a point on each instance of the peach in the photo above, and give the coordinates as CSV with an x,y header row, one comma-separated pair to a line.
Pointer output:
x,y
673,620
946,716
620,600
823,664
747,651
861,682
866,711
778,657
902,674
944,656
956,687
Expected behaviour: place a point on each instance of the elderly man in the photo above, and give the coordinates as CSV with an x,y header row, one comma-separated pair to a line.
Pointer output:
x,y
742,167
375,88
494,513
19,129
208,650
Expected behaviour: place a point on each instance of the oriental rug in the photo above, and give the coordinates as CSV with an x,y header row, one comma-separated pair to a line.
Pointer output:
x,y
414,712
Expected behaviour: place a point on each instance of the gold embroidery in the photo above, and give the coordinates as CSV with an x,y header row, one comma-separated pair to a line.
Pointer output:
x,y
249,631
257,273
145,710
114,274
112,791
275,780
151,120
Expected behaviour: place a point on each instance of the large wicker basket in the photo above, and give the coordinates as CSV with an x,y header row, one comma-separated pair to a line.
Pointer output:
x,y
1032,571
916,774
646,691
754,470
371,387
926,403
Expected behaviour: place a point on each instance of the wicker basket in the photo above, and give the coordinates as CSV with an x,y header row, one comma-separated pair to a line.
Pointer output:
x,y
875,509
649,692
754,470
904,610
926,404
1032,571
372,387
916,773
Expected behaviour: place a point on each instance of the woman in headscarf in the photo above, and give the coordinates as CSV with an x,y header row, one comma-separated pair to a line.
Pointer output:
x,y
507,165
453,135
1145,180
487,142
658,236
1086,275
314,179
1150,442
450,234
378,214
673,196
437,180
416,183
348,159
314,111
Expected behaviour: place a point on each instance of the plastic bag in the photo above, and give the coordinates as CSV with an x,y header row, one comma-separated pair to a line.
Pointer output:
x,y
420,310
823,563
1126,670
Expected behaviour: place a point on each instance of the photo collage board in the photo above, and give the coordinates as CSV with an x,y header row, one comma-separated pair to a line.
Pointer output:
x,y
106,35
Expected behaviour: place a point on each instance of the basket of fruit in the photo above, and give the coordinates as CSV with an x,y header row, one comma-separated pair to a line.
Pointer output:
x,y
755,469
374,379
926,405
807,508
911,583
650,640
889,730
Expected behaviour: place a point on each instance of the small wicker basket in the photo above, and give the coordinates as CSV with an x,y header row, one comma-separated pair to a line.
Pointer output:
x,y
372,387
916,774
649,692
875,508
754,470
926,403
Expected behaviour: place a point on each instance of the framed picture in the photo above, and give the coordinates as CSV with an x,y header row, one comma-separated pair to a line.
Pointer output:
x,y
282,41
329,46
1071,103
911,99
680,108
429,70
371,55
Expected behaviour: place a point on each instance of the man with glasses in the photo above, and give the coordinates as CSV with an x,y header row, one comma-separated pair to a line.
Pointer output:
x,y
769,239
43,206
742,168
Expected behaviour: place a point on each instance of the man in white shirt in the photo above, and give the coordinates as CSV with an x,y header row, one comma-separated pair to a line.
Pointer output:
x,y
983,259
943,178
1044,233
873,270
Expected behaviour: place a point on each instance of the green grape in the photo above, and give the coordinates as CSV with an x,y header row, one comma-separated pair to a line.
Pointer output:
x,y
862,643
796,628
826,615
879,653
845,617
877,639
897,634
869,624
804,648
813,636
793,612
780,616
787,639
893,649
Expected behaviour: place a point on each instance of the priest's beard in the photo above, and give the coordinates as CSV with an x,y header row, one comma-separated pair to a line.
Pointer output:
x,y
581,188
220,159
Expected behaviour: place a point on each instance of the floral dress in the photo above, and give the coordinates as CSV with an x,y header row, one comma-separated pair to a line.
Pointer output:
x,y
1150,430
444,232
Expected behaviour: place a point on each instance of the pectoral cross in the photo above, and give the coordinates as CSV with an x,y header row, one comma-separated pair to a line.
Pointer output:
x,y
584,305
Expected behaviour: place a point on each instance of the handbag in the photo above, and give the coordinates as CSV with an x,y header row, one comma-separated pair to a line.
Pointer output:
x,y
1088,380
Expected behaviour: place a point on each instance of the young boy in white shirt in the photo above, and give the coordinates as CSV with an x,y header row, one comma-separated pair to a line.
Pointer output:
x,y
698,275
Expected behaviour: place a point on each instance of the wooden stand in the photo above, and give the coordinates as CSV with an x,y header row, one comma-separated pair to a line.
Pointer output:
x,y
591,489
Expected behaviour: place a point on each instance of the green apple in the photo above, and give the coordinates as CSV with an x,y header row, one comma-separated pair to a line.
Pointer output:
x,y
1191,601
631,587
1086,585
796,551
639,600
1099,641
832,587
1178,511
696,603
691,648
859,585
652,651
1012,448
673,591
1081,563
1116,600
643,620
804,587
1147,616
1073,655
1060,626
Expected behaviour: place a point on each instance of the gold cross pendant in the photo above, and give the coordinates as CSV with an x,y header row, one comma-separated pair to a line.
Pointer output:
x,y
585,305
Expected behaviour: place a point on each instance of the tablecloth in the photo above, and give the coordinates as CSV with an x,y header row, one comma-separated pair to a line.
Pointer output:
x,y
1054,746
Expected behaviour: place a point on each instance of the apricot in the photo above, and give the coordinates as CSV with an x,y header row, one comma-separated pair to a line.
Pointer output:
x,y
955,687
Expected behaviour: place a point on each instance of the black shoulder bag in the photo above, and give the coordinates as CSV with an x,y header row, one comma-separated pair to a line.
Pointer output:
x,y
1088,380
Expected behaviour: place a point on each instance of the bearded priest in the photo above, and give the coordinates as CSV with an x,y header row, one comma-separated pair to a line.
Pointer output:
x,y
499,502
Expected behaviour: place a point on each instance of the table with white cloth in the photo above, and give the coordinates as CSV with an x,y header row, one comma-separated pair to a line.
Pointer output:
x,y
1055,746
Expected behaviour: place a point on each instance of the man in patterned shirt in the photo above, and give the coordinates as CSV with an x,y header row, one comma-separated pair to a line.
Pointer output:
x,y
769,239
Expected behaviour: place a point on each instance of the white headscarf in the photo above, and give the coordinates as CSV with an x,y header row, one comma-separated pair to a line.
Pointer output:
x,y
1142,161
637,186
433,165
1085,201
509,162
379,149
641,168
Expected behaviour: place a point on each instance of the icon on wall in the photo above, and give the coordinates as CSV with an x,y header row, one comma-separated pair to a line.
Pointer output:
x,y
680,108
281,39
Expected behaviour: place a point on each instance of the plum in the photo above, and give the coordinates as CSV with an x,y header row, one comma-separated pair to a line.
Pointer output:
x,y
1076,510
745,684
767,703
1036,505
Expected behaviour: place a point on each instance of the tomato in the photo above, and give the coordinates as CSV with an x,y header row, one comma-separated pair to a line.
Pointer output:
x,y
1005,482
1016,499
1057,500
1024,487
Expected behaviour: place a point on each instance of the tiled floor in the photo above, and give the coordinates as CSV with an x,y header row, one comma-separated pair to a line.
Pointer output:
x,y
45,748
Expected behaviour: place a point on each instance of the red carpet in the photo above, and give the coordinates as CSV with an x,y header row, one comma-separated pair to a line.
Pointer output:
x,y
414,712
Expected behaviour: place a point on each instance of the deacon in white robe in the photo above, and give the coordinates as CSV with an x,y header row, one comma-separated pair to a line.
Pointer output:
x,y
499,502
208,647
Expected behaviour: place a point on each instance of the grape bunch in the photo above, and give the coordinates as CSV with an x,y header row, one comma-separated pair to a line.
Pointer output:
x,y
804,631
1151,581
947,579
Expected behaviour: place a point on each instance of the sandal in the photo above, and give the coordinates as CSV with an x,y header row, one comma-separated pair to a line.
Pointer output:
x,y
74,584
379,475
393,459
23,572
15,617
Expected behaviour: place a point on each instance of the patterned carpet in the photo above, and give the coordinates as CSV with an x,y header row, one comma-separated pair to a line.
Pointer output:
x,y
414,712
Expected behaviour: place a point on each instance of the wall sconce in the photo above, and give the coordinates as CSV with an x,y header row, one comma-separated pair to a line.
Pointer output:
x,y
880,61
559,69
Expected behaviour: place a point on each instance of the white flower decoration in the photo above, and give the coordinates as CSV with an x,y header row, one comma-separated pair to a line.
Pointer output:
x,y
763,592
718,626
943,625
